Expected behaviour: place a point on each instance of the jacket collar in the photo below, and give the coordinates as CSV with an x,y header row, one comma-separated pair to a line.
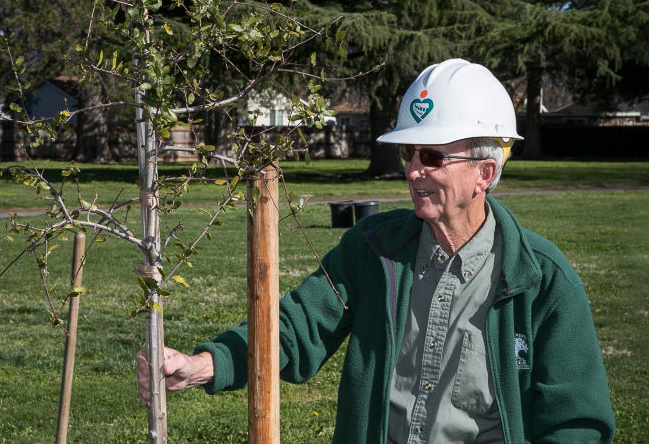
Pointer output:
x,y
520,269
397,238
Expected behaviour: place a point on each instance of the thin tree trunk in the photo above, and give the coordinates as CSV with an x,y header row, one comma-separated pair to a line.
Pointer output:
x,y
217,127
532,146
8,147
151,262
92,128
384,158
149,267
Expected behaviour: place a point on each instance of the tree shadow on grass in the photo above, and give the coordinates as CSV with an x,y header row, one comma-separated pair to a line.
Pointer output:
x,y
129,173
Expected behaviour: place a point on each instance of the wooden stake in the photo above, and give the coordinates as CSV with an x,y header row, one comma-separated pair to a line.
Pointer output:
x,y
263,309
70,342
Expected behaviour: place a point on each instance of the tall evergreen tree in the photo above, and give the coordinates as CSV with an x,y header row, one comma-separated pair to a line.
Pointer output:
x,y
579,43
627,27
403,36
597,48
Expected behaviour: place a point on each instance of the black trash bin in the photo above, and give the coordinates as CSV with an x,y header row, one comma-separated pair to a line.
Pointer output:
x,y
342,214
365,208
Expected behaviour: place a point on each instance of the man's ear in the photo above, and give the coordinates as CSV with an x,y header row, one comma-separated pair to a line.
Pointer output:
x,y
486,174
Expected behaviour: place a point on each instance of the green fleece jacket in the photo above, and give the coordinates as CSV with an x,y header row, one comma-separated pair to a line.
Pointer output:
x,y
547,368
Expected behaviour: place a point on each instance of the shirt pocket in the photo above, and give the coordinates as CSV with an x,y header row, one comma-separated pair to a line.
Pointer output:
x,y
472,391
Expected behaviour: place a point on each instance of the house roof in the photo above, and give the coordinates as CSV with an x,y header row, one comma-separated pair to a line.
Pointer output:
x,y
48,97
69,85
351,108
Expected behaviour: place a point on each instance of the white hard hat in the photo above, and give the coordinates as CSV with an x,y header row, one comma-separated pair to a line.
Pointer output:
x,y
454,100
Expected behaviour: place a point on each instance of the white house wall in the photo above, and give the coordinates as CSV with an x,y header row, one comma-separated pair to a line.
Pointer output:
x,y
267,106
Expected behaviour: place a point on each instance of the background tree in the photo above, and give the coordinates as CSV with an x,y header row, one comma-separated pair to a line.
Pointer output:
x,y
594,49
400,38
580,44
48,44
43,40
627,27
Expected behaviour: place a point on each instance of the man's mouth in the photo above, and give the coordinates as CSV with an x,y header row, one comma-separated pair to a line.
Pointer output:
x,y
423,193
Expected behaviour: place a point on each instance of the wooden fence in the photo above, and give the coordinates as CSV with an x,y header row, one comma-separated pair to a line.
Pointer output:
x,y
329,142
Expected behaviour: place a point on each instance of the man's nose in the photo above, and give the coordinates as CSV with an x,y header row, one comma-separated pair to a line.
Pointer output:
x,y
414,168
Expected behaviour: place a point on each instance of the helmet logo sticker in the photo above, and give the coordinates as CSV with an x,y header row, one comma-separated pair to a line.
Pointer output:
x,y
419,109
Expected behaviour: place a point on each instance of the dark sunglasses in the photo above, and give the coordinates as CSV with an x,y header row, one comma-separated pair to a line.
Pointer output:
x,y
430,157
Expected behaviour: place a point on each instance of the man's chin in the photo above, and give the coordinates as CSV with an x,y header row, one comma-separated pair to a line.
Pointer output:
x,y
424,215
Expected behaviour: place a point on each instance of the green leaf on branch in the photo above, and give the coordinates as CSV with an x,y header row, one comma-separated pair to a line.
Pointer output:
x,y
143,286
299,131
87,205
180,280
54,320
155,306
62,116
255,194
152,283
77,290
18,63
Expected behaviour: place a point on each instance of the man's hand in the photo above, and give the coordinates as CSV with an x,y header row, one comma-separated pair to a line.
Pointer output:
x,y
180,370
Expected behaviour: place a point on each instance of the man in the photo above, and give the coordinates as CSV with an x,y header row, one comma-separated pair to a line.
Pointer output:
x,y
462,325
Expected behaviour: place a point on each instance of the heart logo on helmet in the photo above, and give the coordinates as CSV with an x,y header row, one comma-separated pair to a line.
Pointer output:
x,y
419,109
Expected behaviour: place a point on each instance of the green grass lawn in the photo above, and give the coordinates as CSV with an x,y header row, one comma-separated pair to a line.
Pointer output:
x,y
322,179
603,234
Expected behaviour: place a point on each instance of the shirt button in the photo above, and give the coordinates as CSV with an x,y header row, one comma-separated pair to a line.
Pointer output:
x,y
467,274
433,344
428,386
418,429
440,258
441,298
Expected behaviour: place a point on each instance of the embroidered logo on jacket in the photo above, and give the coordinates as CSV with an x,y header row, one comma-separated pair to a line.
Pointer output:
x,y
521,347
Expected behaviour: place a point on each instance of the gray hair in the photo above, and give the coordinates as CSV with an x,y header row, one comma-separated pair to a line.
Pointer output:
x,y
489,149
